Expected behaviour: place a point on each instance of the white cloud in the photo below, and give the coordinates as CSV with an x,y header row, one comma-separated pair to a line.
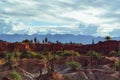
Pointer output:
x,y
20,28
103,15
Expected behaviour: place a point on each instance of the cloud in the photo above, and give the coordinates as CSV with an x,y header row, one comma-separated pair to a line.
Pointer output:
x,y
57,11
20,28
115,32
5,26
95,17
88,29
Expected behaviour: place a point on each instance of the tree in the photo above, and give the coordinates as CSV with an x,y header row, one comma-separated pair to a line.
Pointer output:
x,y
57,41
35,40
31,41
108,38
26,41
43,41
46,40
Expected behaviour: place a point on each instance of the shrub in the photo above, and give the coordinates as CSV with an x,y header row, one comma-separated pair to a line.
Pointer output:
x,y
107,38
29,54
41,56
96,55
3,54
118,54
56,56
68,77
117,65
74,64
15,75
11,57
70,53
17,54
113,53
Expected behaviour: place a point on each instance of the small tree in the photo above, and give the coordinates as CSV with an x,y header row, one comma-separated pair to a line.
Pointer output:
x,y
26,41
46,40
35,40
108,38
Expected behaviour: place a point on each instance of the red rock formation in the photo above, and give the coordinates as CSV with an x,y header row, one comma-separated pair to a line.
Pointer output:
x,y
102,47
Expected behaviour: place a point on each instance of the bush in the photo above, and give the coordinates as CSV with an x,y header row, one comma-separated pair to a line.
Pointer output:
x,y
113,53
41,56
68,77
17,54
96,55
70,53
11,57
74,64
29,54
117,65
56,56
15,75
3,54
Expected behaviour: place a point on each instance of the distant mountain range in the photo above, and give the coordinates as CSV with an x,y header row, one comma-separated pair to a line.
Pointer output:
x,y
65,38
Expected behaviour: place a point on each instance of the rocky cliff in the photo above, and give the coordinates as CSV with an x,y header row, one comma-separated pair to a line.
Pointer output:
x,y
102,47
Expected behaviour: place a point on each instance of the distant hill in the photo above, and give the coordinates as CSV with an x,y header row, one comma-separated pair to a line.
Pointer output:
x,y
65,38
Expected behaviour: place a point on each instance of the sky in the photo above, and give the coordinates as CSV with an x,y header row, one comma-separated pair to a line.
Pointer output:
x,y
77,17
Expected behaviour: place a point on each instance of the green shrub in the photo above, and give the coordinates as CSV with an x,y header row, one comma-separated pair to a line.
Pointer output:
x,y
41,56
17,54
56,56
117,65
11,57
68,77
70,53
118,54
74,64
96,55
15,75
113,53
29,54
3,54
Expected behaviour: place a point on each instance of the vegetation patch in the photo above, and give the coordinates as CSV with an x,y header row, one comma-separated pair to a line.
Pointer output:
x,y
15,76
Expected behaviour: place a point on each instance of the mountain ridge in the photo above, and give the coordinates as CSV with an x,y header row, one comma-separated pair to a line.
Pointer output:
x,y
64,38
